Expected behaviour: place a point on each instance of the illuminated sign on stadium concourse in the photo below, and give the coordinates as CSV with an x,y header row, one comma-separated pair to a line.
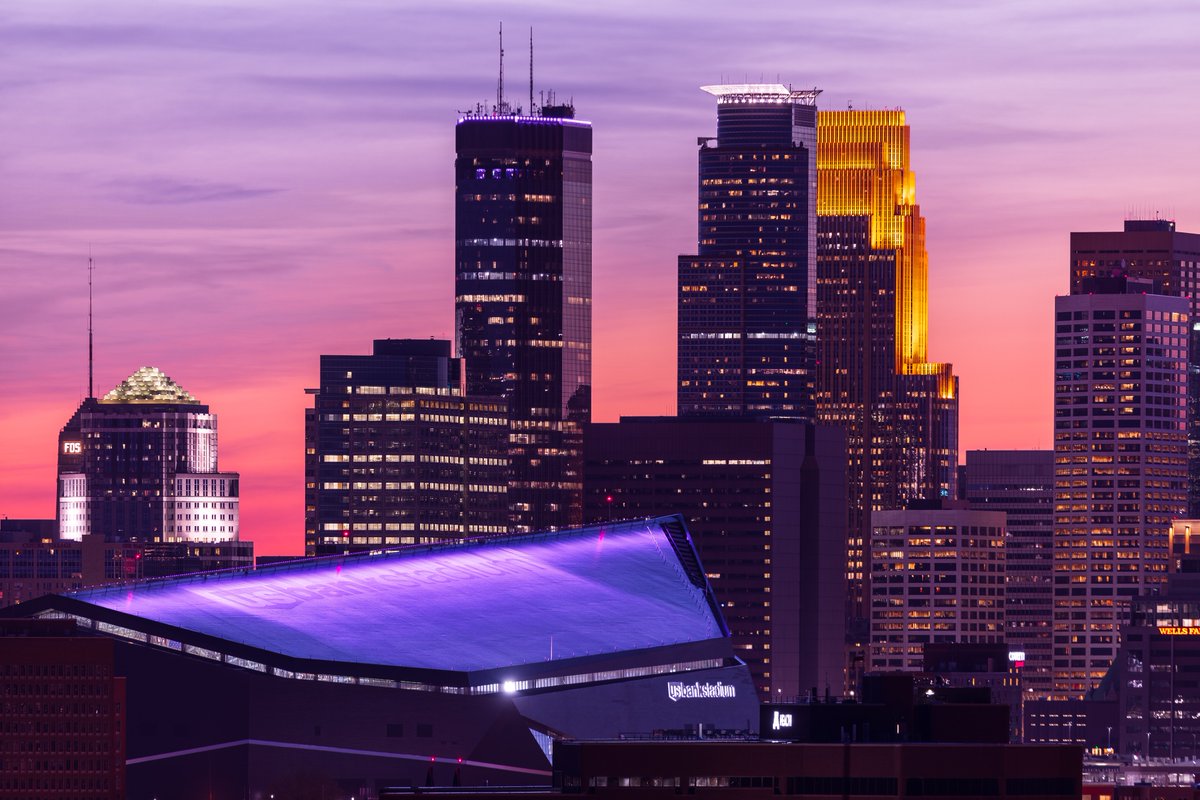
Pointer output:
x,y
678,690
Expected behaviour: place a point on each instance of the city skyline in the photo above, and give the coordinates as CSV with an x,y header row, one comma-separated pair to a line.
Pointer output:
x,y
292,151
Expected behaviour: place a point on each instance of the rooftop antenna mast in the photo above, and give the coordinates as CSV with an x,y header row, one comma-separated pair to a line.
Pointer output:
x,y
91,269
531,70
500,83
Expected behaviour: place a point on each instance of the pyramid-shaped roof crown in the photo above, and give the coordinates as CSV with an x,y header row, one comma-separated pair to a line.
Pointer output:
x,y
149,385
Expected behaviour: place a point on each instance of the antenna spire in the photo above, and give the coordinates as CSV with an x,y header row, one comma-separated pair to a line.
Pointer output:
x,y
91,269
500,83
531,70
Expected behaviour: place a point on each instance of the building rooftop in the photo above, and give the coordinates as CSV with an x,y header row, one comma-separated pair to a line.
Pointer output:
x,y
762,93
476,605
149,385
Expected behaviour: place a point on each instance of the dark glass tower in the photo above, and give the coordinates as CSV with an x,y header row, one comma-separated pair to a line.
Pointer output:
x,y
747,314
523,295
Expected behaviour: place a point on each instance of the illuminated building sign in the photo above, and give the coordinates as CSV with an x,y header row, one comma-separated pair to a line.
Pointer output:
x,y
678,690
72,448
779,721
1179,630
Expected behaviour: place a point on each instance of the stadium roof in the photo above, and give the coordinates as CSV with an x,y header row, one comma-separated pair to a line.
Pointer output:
x,y
480,605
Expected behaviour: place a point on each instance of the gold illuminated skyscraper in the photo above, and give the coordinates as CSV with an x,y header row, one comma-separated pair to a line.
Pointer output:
x,y
900,410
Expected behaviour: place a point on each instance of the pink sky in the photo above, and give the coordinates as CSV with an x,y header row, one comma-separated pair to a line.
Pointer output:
x,y
262,182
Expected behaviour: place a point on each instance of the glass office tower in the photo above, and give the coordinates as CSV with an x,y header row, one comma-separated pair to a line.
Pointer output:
x,y
747,313
523,295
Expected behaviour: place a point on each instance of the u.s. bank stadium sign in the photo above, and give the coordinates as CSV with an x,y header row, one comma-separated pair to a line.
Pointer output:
x,y
678,690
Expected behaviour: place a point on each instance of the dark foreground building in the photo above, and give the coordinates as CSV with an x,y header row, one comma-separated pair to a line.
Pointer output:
x,y
1021,484
765,501
62,714
747,769
407,666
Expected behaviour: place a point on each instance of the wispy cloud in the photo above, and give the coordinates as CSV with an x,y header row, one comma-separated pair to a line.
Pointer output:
x,y
161,189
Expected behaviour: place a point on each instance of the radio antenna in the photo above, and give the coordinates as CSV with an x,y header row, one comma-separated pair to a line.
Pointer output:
x,y
91,269
531,70
500,83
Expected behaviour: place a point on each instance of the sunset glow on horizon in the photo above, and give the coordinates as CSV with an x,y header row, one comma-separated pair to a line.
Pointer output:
x,y
261,183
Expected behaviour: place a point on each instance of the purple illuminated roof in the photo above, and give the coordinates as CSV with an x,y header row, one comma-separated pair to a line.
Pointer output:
x,y
467,607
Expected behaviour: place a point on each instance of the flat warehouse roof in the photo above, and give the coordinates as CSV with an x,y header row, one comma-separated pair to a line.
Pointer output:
x,y
464,607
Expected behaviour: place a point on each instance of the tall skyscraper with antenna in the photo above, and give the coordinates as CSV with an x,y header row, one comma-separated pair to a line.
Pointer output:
x,y
523,292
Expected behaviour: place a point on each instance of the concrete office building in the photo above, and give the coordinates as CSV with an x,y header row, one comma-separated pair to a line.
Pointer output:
x,y
1153,250
1120,451
396,451
937,576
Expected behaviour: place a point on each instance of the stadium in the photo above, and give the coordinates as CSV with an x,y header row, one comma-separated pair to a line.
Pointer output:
x,y
439,664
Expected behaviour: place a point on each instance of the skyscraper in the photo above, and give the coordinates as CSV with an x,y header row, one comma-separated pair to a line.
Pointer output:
x,y
140,465
1154,250
396,452
1021,484
747,315
1120,452
900,410
523,295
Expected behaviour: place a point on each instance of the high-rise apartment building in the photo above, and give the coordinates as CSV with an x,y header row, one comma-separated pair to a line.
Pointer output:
x,y
1152,249
140,465
765,502
899,410
747,314
1120,452
1021,484
937,576
523,295
397,453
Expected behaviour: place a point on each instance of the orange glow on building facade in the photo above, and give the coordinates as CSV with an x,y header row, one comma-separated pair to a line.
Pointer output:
x,y
874,378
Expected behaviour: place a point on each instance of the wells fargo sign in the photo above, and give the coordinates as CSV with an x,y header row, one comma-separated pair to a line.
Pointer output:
x,y
1184,630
